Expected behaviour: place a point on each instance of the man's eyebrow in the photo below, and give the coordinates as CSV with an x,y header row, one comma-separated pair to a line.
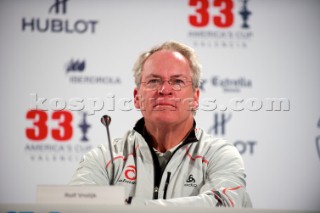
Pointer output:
x,y
177,75
172,76
153,75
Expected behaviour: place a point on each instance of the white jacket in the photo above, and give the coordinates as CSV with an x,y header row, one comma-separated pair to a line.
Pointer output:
x,y
202,171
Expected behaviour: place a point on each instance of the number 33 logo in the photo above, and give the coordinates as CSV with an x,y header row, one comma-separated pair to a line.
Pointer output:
x,y
39,130
202,16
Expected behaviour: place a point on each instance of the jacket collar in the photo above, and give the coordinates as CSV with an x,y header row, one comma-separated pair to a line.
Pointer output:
x,y
141,129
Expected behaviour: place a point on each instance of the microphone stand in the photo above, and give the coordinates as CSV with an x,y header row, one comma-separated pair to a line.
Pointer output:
x,y
106,120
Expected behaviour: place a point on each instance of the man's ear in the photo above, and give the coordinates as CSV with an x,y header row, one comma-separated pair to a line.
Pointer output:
x,y
196,99
136,98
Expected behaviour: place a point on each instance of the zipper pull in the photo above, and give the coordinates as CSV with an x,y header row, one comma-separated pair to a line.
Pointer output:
x,y
155,192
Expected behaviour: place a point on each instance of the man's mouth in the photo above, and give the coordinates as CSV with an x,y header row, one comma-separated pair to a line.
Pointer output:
x,y
164,105
161,103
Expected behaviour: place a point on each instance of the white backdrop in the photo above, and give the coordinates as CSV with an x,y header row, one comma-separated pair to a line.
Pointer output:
x,y
79,54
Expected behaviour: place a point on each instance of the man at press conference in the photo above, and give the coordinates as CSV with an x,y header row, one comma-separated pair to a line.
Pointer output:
x,y
166,159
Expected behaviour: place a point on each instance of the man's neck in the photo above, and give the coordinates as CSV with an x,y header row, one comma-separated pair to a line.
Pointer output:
x,y
165,137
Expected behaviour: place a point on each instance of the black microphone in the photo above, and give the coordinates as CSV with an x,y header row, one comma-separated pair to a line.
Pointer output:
x,y
106,120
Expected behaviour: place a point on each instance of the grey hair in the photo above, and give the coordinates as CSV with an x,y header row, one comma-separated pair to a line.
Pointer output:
x,y
183,49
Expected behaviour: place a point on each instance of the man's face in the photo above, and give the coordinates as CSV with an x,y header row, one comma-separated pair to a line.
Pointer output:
x,y
164,105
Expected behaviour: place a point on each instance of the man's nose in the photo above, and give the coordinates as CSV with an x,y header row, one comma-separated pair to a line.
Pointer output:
x,y
165,88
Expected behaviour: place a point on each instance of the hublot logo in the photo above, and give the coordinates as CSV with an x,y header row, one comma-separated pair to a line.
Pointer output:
x,y
56,24
219,124
59,4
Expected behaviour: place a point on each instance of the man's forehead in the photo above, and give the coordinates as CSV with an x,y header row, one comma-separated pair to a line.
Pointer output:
x,y
166,59
173,54
178,55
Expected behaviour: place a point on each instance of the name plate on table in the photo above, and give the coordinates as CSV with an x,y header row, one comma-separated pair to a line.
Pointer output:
x,y
90,194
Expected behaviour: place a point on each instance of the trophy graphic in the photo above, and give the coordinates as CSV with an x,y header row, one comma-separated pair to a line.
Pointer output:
x,y
245,13
84,126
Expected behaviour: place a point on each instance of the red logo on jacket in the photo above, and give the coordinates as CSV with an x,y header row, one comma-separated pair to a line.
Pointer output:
x,y
130,173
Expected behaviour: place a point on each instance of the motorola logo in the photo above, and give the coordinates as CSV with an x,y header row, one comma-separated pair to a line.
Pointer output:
x,y
77,73
58,21
76,66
